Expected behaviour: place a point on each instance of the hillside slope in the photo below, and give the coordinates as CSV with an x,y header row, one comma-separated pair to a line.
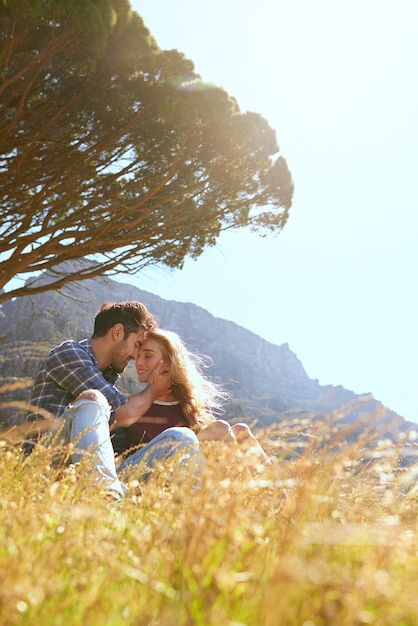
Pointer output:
x,y
267,382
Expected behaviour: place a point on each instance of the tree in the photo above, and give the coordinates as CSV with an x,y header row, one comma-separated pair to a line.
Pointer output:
x,y
115,151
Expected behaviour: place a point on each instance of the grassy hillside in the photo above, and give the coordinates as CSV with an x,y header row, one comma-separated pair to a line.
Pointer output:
x,y
318,538
267,381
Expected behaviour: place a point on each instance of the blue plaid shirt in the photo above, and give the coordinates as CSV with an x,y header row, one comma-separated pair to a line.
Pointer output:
x,y
69,369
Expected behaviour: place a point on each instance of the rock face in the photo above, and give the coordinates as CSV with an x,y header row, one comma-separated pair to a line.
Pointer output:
x,y
268,382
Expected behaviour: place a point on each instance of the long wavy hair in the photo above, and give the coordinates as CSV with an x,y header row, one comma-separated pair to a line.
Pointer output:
x,y
201,399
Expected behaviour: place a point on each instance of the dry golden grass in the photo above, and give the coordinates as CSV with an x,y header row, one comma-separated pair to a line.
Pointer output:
x,y
320,537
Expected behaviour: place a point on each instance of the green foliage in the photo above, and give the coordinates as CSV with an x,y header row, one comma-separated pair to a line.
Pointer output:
x,y
116,151
321,538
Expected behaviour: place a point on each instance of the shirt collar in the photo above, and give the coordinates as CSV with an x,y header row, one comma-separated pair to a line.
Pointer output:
x,y
109,373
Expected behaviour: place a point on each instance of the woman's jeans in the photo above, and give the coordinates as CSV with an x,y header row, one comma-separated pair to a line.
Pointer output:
x,y
85,423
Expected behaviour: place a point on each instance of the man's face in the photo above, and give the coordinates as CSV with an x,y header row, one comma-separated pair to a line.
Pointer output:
x,y
126,350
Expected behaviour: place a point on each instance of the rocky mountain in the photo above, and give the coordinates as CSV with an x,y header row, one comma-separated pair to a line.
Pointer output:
x,y
268,382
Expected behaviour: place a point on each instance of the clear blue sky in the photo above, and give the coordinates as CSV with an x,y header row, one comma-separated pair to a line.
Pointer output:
x,y
338,82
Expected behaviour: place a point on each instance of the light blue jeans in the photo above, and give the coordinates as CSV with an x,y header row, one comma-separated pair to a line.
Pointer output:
x,y
86,424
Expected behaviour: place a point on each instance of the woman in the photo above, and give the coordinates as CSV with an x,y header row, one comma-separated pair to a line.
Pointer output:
x,y
192,401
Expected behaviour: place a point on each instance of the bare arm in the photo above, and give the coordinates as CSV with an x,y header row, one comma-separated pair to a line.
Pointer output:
x,y
139,403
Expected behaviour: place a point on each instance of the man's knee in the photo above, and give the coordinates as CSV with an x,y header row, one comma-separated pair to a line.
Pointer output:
x,y
91,406
93,395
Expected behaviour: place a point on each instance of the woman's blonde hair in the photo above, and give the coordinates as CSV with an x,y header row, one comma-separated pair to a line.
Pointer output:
x,y
199,397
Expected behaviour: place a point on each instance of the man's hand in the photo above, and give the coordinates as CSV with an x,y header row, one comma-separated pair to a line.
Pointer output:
x,y
158,384
159,380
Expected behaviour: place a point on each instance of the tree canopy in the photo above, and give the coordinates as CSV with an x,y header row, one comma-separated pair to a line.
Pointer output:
x,y
116,151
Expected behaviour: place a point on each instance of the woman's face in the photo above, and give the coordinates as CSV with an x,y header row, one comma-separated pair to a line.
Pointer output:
x,y
149,355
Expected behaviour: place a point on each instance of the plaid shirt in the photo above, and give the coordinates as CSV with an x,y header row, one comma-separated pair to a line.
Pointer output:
x,y
69,369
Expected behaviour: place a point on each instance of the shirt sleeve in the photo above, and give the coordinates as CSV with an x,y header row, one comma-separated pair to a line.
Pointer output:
x,y
72,368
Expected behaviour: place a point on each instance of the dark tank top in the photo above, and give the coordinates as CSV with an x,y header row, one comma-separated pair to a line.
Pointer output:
x,y
159,417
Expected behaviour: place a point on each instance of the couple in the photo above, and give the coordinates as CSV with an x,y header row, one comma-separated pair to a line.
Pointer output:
x,y
171,416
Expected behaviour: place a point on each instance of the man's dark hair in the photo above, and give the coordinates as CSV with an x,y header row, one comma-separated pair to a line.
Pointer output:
x,y
133,315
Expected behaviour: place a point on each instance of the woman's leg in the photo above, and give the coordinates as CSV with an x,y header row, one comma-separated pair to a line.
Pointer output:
x,y
219,430
181,443
248,443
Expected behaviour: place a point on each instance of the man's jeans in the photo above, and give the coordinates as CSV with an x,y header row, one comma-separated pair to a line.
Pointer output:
x,y
85,423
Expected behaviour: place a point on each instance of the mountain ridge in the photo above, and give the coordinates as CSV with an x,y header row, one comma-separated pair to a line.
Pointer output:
x,y
281,388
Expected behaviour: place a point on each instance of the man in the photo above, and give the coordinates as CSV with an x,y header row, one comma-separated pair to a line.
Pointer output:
x,y
77,383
